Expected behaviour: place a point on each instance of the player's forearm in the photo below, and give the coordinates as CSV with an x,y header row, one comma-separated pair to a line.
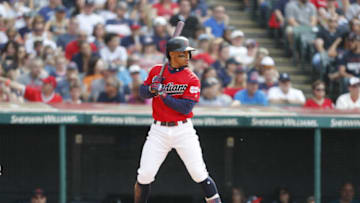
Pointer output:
x,y
144,92
183,106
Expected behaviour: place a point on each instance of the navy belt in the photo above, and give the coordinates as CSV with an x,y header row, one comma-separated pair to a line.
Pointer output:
x,y
170,123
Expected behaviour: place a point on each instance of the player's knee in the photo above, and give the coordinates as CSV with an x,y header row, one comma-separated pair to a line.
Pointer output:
x,y
146,176
198,175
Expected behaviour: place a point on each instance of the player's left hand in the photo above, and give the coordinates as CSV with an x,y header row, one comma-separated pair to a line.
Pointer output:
x,y
156,88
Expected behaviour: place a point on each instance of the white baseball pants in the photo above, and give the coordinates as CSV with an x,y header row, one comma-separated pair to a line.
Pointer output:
x,y
160,141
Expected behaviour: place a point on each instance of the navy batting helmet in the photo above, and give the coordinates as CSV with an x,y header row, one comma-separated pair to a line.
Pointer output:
x,y
178,44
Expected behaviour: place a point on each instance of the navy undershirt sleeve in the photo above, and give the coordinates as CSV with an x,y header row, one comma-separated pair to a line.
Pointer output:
x,y
183,106
144,92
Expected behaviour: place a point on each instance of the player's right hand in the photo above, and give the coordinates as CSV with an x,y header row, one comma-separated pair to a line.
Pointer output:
x,y
158,79
155,88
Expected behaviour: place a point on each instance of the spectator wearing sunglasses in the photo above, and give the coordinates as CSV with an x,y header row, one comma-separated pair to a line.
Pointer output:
x,y
319,100
351,100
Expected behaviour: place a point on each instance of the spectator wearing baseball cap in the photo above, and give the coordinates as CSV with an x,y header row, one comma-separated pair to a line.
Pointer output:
x,y
350,100
202,43
134,97
150,56
269,74
198,65
124,75
98,86
58,24
204,57
27,16
211,94
227,34
112,92
256,66
284,94
251,95
136,74
237,49
161,34
45,95
252,47
63,86
226,75
237,83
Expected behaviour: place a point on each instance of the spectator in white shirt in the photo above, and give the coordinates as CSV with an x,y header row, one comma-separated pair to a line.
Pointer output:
x,y
88,19
211,94
284,93
38,34
350,100
237,49
353,10
113,53
109,10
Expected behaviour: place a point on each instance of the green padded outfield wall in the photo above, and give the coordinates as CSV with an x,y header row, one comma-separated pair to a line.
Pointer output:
x,y
102,162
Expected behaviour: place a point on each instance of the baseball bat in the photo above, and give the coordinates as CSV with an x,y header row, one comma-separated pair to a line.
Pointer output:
x,y
178,29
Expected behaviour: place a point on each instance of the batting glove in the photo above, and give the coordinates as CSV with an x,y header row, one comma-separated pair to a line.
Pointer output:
x,y
158,79
155,88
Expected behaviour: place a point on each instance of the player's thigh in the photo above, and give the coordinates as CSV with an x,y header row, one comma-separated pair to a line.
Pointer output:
x,y
154,152
189,149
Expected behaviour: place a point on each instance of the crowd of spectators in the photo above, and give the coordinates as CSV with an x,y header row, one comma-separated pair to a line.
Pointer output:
x,y
101,51
326,34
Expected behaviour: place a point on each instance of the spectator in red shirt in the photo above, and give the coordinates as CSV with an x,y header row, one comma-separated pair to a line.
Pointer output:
x,y
74,47
238,82
319,3
45,95
319,101
166,8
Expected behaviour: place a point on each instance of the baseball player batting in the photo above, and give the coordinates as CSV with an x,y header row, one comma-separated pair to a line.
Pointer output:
x,y
174,96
